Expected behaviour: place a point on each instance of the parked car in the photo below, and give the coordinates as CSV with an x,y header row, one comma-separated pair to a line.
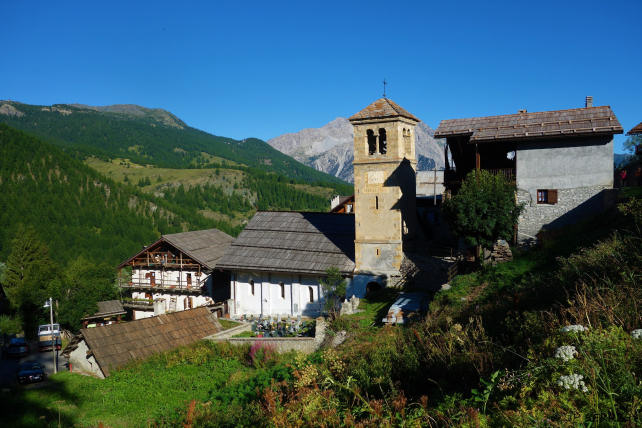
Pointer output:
x,y
48,337
17,347
31,372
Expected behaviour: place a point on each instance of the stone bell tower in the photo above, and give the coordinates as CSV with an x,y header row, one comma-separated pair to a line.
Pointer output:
x,y
385,187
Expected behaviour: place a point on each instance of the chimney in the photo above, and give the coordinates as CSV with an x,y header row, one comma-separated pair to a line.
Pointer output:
x,y
522,110
588,102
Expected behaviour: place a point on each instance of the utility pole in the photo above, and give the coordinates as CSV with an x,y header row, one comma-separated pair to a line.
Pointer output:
x,y
51,328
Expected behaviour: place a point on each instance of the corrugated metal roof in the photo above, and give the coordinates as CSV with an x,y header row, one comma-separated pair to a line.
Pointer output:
x,y
204,246
297,242
579,121
115,345
382,108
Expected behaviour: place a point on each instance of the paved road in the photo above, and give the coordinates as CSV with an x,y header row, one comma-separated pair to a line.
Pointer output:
x,y
9,366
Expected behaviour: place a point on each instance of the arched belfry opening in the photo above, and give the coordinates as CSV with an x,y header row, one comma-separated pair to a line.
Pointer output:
x,y
372,142
383,142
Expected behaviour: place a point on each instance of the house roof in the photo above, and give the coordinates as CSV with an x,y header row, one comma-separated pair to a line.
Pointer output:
x,y
115,345
297,242
108,308
204,246
380,109
637,130
520,126
342,201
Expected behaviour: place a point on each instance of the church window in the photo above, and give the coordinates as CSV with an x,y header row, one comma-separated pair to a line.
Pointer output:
x,y
282,285
376,202
383,143
252,286
378,252
372,142
311,290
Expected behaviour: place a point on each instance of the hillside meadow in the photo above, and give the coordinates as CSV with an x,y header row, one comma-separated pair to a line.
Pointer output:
x,y
550,339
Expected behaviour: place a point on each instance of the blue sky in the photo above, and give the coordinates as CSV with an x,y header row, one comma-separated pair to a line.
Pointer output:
x,y
260,69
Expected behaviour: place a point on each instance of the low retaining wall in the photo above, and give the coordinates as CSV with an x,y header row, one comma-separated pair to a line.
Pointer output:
x,y
305,345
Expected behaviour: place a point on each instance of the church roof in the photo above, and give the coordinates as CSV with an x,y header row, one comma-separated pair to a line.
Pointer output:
x,y
380,109
296,242
204,246
578,121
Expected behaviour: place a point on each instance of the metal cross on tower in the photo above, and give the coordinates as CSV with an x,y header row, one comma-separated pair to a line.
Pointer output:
x,y
384,87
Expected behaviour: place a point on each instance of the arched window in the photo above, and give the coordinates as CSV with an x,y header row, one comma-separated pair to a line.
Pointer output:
x,y
282,285
311,290
372,142
252,286
383,143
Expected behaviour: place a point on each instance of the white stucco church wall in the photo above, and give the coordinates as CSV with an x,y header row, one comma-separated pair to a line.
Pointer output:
x,y
272,294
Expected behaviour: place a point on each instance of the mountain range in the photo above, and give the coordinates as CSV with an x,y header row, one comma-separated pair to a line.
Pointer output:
x,y
330,148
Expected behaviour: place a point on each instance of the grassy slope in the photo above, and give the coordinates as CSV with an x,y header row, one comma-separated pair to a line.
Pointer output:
x,y
148,140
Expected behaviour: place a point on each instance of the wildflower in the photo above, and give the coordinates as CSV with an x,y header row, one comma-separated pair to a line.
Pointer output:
x,y
565,353
572,381
573,328
637,334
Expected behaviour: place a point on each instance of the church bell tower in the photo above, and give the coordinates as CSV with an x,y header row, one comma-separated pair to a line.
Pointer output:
x,y
385,186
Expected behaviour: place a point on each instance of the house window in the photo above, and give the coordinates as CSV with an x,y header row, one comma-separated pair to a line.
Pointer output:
x,y
282,285
547,196
372,142
311,290
383,143
252,286
189,279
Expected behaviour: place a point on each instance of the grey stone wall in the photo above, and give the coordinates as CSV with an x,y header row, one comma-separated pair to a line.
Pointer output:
x,y
306,345
572,205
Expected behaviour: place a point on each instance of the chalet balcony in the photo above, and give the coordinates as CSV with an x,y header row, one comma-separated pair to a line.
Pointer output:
x,y
169,286
508,173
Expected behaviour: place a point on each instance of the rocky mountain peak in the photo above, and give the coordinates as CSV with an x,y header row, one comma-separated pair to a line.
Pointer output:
x,y
330,147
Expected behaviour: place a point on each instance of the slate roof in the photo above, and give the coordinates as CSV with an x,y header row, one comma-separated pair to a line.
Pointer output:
x,y
637,130
293,242
108,308
204,246
115,345
520,126
382,108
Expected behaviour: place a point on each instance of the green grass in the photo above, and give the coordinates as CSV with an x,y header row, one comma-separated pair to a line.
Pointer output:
x,y
228,324
372,310
157,389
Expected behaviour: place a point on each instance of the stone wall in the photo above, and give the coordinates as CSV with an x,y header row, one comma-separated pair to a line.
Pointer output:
x,y
305,345
572,205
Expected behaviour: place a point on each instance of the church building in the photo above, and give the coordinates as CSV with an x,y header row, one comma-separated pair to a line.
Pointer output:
x,y
277,262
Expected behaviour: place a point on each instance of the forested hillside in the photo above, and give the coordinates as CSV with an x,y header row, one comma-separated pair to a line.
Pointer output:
x,y
76,210
148,136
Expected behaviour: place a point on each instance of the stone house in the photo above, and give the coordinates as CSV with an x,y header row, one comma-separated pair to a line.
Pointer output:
x,y
561,161
175,273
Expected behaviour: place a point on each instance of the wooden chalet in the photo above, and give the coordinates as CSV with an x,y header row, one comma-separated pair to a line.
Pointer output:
x,y
176,272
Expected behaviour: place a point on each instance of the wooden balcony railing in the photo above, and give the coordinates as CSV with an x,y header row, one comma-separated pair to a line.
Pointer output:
x,y
165,285
508,173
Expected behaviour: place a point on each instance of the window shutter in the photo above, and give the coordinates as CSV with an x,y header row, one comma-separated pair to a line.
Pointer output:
x,y
552,196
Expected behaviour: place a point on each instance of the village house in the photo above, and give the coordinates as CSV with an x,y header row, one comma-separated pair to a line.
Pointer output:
x,y
561,161
175,273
